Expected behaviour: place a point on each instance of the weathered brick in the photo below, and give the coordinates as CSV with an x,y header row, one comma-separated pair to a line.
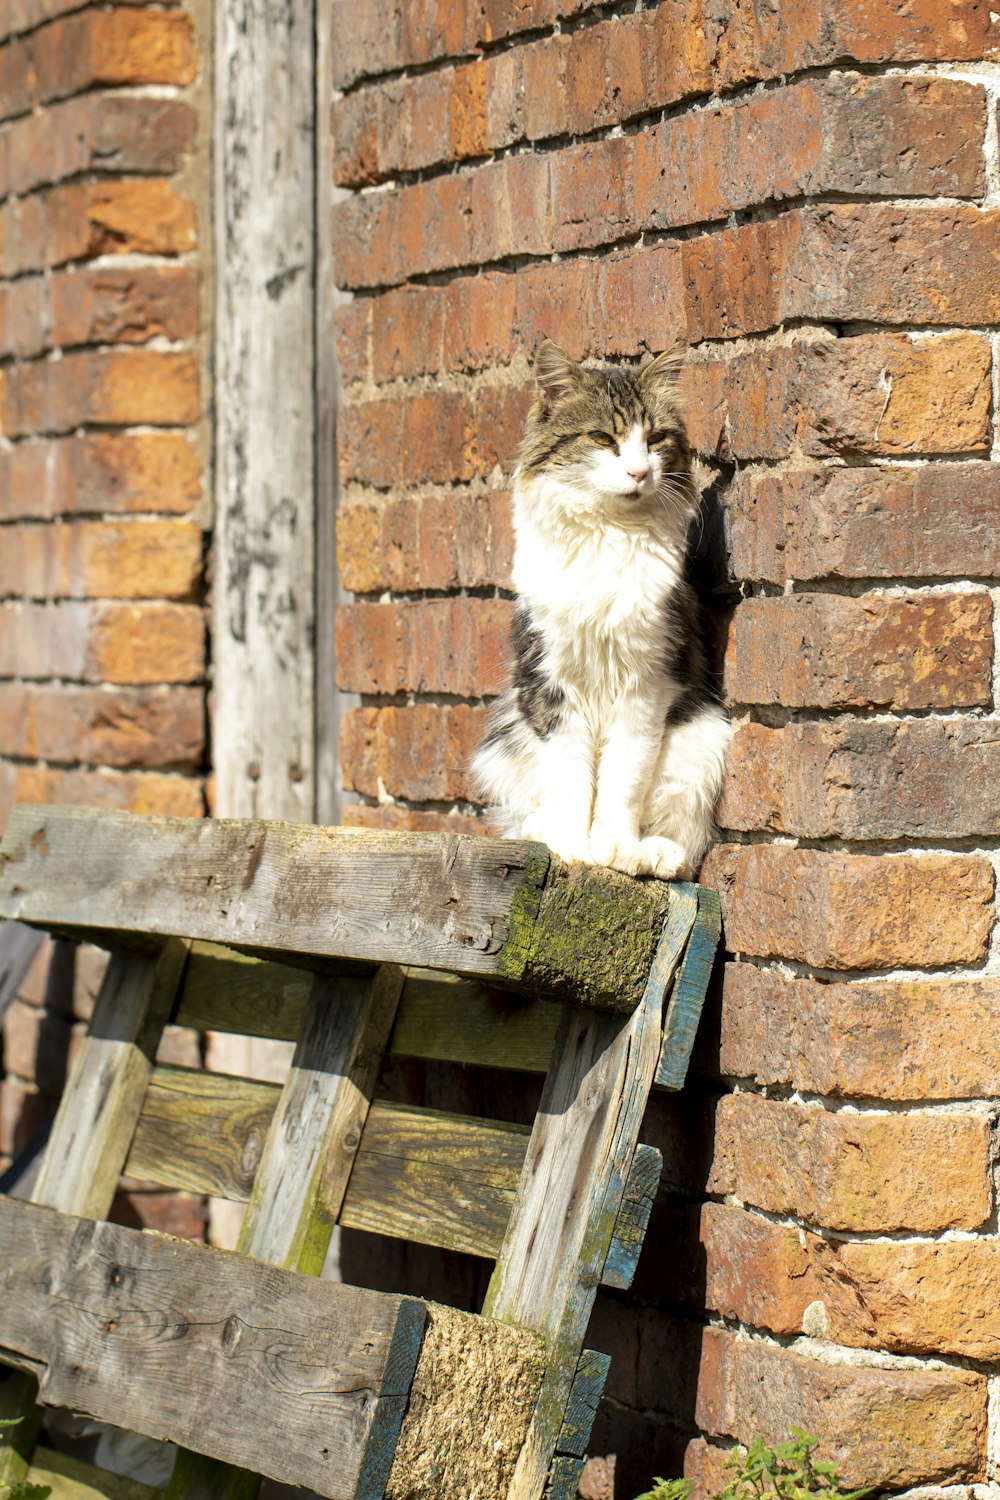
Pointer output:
x,y
180,1215
121,727
454,540
26,15
868,1172
936,521
848,911
924,778
877,651
115,643
117,305
158,388
143,559
411,820
479,322
95,218
420,753
874,393
110,132
439,645
883,1039
429,436
407,330
92,48
169,796
931,1424
122,472
922,1297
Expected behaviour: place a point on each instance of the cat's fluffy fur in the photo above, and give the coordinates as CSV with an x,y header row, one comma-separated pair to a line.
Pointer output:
x,y
609,746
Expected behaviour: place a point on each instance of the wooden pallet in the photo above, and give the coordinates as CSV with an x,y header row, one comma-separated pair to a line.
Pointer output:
x,y
351,944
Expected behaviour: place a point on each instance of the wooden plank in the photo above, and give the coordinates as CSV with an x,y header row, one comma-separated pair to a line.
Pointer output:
x,y
18,947
71,1479
484,907
564,1478
688,995
278,1372
584,1399
235,992
641,1187
99,1108
263,640
202,1132
579,1156
314,1134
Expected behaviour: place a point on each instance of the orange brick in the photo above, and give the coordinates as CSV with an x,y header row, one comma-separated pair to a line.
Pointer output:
x,y
96,218
848,911
140,386
169,796
113,559
444,645
145,643
420,753
125,472
122,727
118,305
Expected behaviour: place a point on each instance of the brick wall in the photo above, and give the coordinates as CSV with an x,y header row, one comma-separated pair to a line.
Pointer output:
x,y
811,196
103,449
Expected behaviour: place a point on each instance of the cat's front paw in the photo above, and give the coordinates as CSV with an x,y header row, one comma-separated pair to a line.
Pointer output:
x,y
633,856
569,843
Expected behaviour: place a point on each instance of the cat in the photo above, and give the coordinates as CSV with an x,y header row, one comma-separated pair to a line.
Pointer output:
x,y
609,747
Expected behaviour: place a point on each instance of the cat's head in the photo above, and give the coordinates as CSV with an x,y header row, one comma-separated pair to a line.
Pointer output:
x,y
612,437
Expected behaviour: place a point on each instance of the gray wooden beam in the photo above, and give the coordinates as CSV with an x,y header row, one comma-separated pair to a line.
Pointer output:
x,y
498,908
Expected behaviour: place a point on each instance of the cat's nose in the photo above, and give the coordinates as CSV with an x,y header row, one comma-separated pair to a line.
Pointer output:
x,y
638,474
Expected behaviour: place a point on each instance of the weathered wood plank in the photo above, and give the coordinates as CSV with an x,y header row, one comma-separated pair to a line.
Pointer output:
x,y
268,1369
71,1479
641,1187
688,995
584,1399
98,1111
561,1226
235,992
500,908
18,947
564,1478
202,1132
314,1134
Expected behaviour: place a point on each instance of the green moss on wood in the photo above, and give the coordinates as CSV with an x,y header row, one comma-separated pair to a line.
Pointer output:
x,y
523,915
593,937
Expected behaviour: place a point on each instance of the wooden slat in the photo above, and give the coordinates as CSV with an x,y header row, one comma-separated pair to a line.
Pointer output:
x,y
279,1372
202,1132
633,1218
235,992
561,1227
71,1479
688,994
314,1134
564,1478
499,908
97,1114
584,1399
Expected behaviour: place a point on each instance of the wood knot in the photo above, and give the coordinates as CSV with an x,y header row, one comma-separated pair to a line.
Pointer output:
x,y
232,1334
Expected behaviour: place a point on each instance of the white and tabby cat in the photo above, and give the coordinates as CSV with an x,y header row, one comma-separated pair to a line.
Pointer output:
x,y
609,746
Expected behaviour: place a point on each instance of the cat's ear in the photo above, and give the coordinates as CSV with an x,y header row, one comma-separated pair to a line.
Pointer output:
x,y
664,370
555,372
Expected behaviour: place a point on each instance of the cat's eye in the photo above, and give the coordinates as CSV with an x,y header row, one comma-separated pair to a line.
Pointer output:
x,y
603,440
656,437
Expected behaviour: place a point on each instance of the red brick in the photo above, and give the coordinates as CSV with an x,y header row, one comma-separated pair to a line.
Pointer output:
x,y
926,1297
407,329
95,47
23,1111
169,796
117,305
441,645
122,472
454,540
844,911
353,322
411,820
25,15
115,643
429,436
870,1172
931,1424
108,132
180,1215
936,521
124,727
479,321
877,651
113,559
95,218
919,779
420,753
138,386
884,1039
559,301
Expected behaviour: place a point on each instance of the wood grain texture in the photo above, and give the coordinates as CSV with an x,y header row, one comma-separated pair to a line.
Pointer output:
x,y
316,1129
263,638
687,997
641,1187
584,1399
562,1223
235,992
564,1478
100,1106
267,1369
71,1479
202,1132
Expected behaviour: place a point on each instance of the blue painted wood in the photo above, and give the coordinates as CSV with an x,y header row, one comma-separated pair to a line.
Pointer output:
x,y
584,1399
688,994
633,1218
564,1478
383,1436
